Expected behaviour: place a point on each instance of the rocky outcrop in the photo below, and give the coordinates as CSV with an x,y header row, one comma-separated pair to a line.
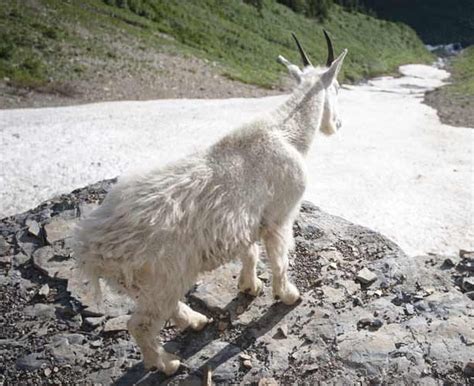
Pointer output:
x,y
369,313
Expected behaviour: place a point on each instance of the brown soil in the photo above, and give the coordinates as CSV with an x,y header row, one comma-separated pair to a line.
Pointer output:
x,y
178,77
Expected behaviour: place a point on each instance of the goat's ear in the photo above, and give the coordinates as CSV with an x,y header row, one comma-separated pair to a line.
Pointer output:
x,y
331,74
293,69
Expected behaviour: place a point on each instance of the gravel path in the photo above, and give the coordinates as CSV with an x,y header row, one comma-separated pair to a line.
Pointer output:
x,y
395,167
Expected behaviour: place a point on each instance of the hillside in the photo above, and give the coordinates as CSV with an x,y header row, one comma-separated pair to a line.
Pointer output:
x,y
455,101
116,49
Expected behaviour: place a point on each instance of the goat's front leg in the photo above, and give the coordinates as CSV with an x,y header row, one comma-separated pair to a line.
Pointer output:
x,y
185,317
145,329
248,281
277,242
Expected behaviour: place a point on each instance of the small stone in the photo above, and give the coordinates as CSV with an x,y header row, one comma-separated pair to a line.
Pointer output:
x,y
20,259
117,324
310,367
30,362
409,309
55,369
247,364
371,324
366,276
44,290
468,284
240,310
333,266
469,369
33,227
105,365
222,325
463,254
267,382
96,343
47,371
451,262
7,259
4,247
95,321
282,332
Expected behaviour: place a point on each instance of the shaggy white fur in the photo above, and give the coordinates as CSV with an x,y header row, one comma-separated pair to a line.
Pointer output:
x,y
155,232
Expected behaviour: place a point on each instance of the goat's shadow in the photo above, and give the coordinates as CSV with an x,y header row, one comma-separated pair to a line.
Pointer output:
x,y
190,343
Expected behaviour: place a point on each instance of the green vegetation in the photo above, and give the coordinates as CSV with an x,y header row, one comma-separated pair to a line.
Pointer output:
x,y
462,76
44,43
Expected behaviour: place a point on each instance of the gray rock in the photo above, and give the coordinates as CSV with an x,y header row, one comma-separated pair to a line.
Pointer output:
x,y
4,247
110,302
469,369
221,356
6,259
95,321
217,289
333,295
33,227
40,311
31,362
85,209
320,341
52,263
468,284
44,290
59,228
118,323
409,309
68,349
366,276
19,259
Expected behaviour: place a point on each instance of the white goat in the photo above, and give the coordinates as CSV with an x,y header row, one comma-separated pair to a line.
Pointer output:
x,y
155,232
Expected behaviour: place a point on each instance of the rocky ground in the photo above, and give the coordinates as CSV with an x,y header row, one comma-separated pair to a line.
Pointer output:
x,y
369,313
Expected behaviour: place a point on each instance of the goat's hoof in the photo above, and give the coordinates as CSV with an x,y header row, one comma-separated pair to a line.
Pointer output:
x,y
170,364
290,296
199,322
253,289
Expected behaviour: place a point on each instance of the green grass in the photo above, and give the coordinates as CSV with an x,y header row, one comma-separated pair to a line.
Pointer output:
x,y
48,41
462,74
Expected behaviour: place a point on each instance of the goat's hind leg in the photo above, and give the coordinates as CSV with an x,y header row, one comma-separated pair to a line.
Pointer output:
x,y
248,281
185,317
145,329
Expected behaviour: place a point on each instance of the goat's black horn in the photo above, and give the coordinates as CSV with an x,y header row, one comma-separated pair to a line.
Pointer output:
x,y
330,49
304,57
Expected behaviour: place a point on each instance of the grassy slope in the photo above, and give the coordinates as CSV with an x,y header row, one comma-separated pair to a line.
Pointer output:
x,y
48,41
455,101
462,79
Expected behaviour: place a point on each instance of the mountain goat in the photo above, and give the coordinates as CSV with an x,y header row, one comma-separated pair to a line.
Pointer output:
x,y
155,232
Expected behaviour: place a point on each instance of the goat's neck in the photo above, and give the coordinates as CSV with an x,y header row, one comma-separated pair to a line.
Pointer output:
x,y
300,116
